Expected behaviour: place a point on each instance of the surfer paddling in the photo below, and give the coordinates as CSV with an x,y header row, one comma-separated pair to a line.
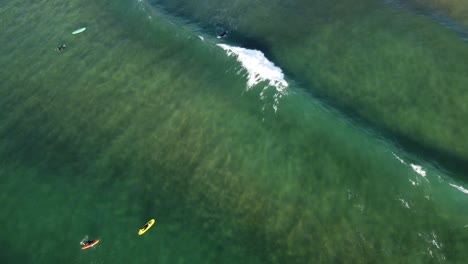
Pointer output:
x,y
222,34
61,47
86,243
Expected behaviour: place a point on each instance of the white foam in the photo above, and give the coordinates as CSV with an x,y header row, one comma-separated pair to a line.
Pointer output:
x,y
418,169
259,69
398,158
459,188
405,203
202,38
434,241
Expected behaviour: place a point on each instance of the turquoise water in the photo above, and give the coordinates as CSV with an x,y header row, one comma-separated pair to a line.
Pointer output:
x,y
140,118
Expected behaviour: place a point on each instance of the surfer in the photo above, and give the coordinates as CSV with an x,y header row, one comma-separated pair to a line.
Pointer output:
x,y
86,243
222,34
61,47
146,227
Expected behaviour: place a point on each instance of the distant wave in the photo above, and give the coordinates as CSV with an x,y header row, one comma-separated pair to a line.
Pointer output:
x,y
416,168
259,69
421,171
460,188
434,14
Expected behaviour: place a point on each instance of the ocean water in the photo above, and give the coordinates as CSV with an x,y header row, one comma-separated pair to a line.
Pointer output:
x,y
147,114
360,57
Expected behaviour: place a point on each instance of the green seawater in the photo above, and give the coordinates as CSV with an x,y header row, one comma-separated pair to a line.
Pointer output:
x,y
139,118
392,66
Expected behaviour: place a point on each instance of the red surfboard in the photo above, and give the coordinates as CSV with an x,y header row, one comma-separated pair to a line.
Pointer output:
x,y
90,244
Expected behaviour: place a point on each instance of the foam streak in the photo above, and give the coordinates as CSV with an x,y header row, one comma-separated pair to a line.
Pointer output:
x,y
259,69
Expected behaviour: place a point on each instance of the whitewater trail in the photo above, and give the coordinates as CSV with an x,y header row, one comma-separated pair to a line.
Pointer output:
x,y
259,69
421,171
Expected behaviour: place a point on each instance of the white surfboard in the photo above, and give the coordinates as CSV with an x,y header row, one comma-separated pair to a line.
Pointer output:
x,y
78,31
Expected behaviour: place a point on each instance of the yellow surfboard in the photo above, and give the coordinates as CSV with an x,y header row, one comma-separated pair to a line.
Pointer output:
x,y
146,227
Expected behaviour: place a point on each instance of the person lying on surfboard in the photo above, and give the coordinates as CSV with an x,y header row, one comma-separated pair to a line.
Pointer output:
x,y
86,243
61,47
222,34
146,227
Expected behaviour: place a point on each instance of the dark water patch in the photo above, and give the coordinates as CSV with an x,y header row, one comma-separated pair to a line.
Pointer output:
x,y
443,160
433,14
12,254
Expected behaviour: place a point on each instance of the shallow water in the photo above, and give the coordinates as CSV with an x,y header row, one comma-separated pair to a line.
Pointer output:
x,y
144,116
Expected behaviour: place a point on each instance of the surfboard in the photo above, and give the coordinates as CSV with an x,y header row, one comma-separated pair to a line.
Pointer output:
x,y
92,244
146,227
78,31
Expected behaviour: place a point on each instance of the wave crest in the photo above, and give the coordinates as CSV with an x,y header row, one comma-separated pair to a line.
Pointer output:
x,y
259,69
